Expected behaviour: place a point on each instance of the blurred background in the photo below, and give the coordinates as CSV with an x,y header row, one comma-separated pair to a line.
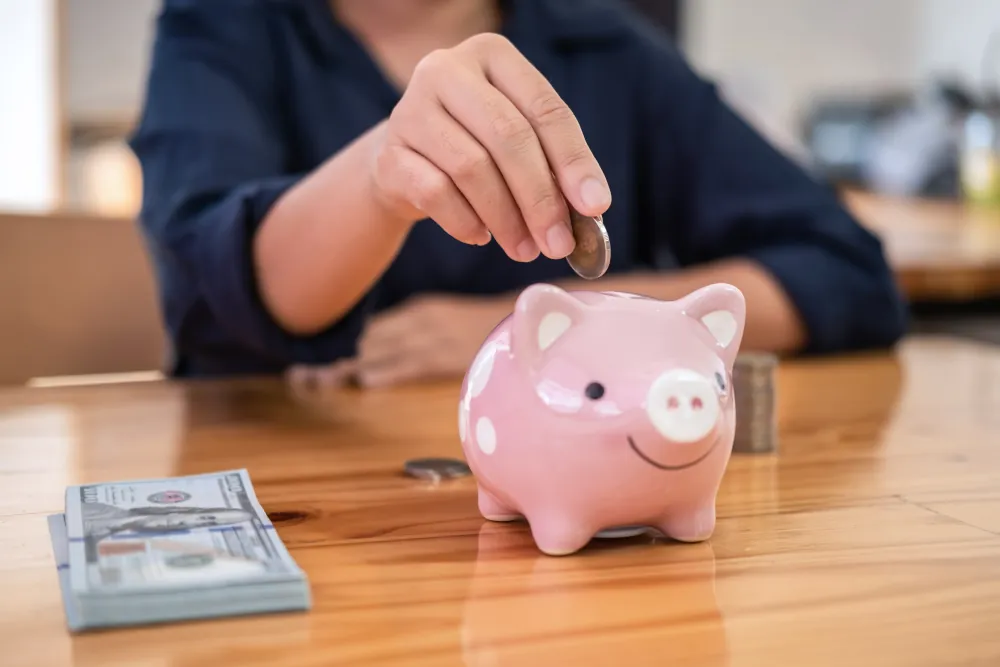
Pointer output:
x,y
892,101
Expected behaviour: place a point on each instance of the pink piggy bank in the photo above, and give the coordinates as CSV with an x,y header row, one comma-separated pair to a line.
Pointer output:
x,y
589,411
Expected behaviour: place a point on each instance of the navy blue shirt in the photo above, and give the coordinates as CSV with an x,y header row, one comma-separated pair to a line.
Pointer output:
x,y
245,97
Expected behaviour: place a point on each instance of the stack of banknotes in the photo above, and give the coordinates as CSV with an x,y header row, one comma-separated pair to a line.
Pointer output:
x,y
160,550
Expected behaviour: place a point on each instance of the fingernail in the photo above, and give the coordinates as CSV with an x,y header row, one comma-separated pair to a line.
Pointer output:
x,y
527,250
595,194
560,240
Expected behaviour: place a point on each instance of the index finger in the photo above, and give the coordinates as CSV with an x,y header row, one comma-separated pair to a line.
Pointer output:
x,y
576,168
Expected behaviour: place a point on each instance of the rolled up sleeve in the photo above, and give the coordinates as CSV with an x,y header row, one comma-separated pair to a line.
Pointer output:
x,y
730,193
214,161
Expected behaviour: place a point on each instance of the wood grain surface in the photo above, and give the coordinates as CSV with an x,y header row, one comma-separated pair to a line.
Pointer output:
x,y
939,250
871,538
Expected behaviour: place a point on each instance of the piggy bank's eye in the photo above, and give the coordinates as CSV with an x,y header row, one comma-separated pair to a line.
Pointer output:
x,y
595,390
721,381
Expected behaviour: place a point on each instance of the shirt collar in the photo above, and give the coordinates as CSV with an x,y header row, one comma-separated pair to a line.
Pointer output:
x,y
575,23
555,24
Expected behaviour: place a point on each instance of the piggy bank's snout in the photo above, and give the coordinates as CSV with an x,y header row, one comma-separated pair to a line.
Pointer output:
x,y
682,405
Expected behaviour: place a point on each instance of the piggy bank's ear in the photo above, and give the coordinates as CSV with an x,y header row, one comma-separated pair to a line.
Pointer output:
x,y
721,309
543,313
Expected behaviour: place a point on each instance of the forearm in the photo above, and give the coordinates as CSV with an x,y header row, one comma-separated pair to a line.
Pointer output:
x,y
326,241
772,322
772,325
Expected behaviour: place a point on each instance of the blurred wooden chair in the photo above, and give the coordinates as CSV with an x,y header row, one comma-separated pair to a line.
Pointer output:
x,y
77,297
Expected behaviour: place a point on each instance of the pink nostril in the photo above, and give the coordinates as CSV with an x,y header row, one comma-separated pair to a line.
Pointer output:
x,y
696,403
673,403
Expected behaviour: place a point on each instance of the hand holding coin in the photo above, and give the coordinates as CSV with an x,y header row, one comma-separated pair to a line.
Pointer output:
x,y
481,143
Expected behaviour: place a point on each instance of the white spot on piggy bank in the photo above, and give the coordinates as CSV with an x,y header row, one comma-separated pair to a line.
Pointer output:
x,y
615,410
486,435
475,382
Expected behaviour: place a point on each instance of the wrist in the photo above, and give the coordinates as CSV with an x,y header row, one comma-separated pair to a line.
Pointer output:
x,y
396,214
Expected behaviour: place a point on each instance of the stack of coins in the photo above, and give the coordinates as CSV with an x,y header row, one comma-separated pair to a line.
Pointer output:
x,y
756,418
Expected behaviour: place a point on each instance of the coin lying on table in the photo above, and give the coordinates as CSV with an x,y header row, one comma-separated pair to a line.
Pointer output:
x,y
436,469
592,255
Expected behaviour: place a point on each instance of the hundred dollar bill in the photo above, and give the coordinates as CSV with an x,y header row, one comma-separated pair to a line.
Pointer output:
x,y
166,549
60,549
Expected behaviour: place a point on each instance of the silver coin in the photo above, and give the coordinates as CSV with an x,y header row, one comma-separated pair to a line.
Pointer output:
x,y
754,381
436,469
762,361
592,255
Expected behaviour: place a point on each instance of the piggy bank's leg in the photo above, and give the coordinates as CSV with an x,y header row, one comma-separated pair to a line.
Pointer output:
x,y
494,510
693,525
559,535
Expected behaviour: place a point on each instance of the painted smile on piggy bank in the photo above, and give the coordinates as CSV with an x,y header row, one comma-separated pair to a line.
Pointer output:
x,y
664,466
683,407
585,411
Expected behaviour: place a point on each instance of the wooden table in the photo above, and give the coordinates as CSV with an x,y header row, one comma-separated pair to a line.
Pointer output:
x,y
872,538
939,250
